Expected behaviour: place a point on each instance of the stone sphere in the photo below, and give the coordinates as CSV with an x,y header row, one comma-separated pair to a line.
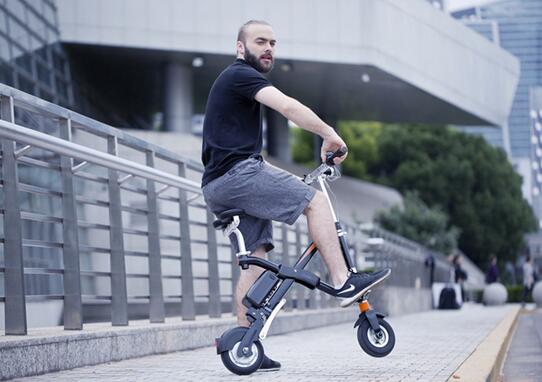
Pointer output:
x,y
495,294
537,294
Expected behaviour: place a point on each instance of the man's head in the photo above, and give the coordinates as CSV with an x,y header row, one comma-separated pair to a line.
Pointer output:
x,y
256,45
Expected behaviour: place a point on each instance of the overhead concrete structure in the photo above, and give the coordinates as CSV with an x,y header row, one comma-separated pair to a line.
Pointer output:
x,y
387,60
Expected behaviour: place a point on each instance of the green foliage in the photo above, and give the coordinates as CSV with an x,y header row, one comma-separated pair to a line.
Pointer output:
x,y
470,181
302,147
362,141
416,221
515,293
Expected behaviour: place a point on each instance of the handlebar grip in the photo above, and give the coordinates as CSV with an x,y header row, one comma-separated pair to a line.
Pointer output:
x,y
337,154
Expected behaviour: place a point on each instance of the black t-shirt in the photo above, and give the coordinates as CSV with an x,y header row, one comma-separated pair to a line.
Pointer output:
x,y
232,130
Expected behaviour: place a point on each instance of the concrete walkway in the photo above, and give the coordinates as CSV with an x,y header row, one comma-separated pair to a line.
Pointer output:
x,y
431,346
524,359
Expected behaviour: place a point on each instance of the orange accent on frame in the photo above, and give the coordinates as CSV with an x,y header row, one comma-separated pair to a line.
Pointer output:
x,y
364,306
309,250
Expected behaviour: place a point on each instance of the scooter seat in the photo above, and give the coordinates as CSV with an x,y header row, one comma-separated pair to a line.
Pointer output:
x,y
226,218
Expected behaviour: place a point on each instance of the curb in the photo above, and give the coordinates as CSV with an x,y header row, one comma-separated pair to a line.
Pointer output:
x,y
54,349
485,362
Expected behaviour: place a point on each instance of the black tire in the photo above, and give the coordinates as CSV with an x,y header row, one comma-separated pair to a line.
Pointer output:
x,y
371,343
243,365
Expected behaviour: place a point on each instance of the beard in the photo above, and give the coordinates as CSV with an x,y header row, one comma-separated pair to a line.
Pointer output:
x,y
254,61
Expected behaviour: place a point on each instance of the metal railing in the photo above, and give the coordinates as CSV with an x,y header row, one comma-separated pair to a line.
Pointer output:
x,y
96,217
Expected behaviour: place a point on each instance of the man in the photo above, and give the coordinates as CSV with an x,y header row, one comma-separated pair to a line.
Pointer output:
x,y
236,176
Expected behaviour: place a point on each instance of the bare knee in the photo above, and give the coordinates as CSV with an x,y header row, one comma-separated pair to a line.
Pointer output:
x,y
260,252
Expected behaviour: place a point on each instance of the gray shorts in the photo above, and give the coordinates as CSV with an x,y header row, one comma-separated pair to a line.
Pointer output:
x,y
265,192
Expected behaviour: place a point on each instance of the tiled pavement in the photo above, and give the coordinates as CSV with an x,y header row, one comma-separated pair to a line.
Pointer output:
x,y
430,347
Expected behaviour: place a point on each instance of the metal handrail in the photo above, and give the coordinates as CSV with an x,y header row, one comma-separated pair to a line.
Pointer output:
x,y
34,138
120,173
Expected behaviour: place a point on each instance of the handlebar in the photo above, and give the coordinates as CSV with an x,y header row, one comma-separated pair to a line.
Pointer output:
x,y
337,154
328,168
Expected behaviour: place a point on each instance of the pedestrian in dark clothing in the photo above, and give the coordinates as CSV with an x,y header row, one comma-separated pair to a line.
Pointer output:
x,y
528,279
492,274
460,274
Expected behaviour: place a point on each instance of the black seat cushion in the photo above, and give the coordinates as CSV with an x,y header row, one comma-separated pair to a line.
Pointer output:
x,y
226,218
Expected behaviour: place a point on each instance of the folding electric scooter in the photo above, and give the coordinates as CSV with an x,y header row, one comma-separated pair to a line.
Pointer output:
x,y
240,348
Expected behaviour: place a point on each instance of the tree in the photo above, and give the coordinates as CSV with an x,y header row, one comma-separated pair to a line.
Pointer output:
x,y
302,147
417,222
471,181
362,141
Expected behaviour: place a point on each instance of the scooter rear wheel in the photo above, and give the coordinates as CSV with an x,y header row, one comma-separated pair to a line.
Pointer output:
x,y
243,365
376,344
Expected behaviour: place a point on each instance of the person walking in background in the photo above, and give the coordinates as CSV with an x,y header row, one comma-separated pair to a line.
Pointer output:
x,y
460,274
528,279
492,274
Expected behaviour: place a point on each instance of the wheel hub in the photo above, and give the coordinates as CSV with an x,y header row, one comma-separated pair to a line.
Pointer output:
x,y
378,339
243,361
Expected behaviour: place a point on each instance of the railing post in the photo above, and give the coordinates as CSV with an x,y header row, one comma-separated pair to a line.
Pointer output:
x,y
156,303
285,258
188,309
15,308
215,308
73,312
300,289
119,297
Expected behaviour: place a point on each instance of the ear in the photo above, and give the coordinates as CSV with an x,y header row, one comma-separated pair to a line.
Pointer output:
x,y
240,47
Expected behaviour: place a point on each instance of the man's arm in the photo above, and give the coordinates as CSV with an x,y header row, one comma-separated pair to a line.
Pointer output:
x,y
303,117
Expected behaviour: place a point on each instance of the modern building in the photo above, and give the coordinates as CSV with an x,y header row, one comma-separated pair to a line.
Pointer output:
x,y
516,25
31,56
32,59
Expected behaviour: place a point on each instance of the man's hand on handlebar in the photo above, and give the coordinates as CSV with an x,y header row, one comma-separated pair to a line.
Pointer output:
x,y
333,143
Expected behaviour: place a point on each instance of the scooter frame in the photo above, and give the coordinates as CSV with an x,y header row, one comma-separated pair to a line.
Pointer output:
x,y
261,317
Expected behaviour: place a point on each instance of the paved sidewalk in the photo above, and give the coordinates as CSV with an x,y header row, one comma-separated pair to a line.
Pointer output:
x,y
430,347
524,360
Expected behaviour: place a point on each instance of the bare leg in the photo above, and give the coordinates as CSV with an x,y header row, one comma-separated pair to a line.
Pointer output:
x,y
247,277
323,232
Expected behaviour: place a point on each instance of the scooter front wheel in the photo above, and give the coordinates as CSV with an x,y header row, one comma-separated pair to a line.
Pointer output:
x,y
376,344
243,365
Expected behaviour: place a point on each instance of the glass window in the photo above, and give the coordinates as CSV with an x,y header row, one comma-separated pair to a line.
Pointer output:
x,y
4,48
35,44
36,24
6,73
22,59
46,95
49,13
3,22
26,84
61,87
42,53
36,5
58,61
18,9
18,33
43,74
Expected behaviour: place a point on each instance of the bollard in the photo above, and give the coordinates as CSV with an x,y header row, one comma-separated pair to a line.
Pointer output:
x,y
537,294
495,294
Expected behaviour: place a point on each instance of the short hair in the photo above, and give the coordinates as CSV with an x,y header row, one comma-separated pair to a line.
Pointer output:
x,y
242,34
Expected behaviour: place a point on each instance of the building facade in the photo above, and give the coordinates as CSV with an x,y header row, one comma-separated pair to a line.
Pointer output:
x,y
515,25
31,57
